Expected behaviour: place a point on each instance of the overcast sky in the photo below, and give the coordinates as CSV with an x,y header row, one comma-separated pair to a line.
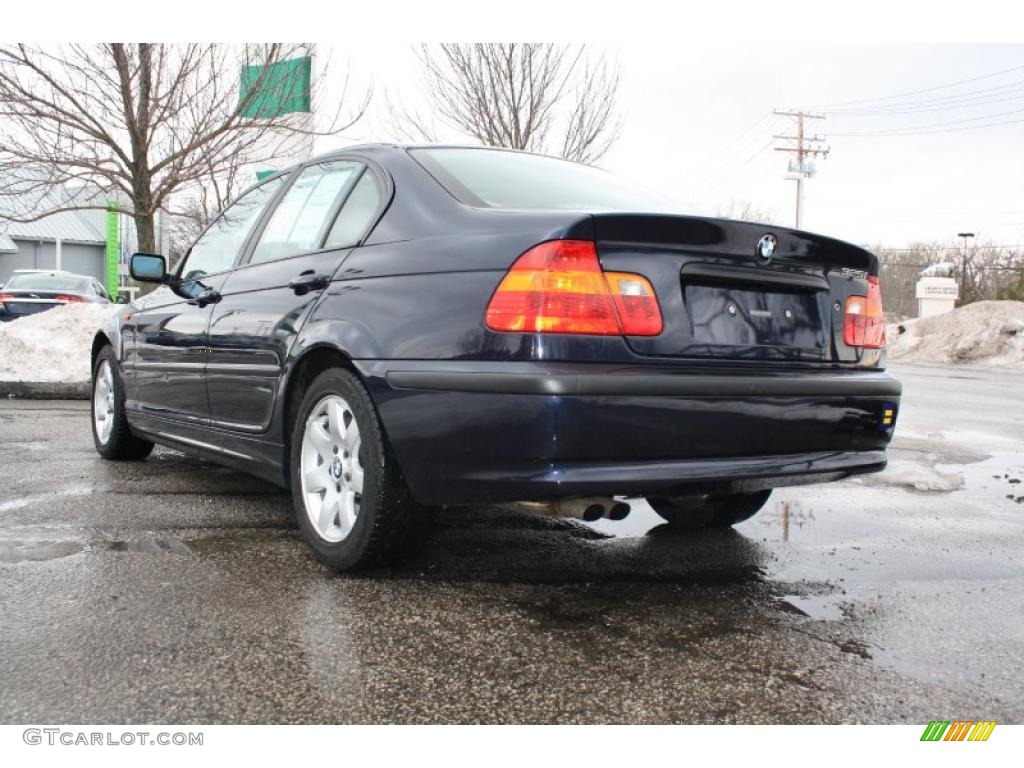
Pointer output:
x,y
697,121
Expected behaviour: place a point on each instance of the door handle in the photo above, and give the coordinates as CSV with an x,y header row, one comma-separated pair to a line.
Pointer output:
x,y
309,281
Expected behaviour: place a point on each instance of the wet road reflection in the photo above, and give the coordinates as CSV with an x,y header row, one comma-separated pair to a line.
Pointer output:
x,y
174,591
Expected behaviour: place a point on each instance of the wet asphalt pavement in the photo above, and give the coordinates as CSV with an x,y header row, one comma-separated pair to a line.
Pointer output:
x,y
176,591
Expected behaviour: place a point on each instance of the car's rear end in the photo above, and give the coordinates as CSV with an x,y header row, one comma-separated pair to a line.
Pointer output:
x,y
668,355
29,293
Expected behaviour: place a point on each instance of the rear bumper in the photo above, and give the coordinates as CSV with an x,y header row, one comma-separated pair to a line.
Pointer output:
x,y
464,431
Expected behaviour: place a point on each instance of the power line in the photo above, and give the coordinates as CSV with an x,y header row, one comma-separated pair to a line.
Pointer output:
x,y
714,156
1018,212
982,93
896,131
733,174
942,107
877,134
725,168
924,90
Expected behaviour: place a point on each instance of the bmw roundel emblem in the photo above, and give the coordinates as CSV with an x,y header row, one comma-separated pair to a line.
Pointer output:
x,y
766,246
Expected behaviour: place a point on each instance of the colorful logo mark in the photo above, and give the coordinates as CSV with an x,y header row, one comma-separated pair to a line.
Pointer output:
x,y
958,730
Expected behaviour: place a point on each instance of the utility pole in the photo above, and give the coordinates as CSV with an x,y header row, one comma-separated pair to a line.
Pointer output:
x,y
963,268
804,147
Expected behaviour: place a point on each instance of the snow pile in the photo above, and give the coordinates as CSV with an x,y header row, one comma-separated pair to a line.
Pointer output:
x,y
52,346
983,333
910,474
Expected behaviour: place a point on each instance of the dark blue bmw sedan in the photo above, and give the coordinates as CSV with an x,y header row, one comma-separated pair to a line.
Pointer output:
x,y
388,329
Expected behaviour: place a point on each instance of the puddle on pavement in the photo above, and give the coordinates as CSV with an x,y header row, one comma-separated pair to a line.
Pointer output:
x,y
150,546
818,607
788,516
12,552
24,501
36,551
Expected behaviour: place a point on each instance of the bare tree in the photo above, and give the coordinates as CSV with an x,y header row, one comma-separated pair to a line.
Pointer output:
x,y
134,123
196,206
993,271
543,97
745,210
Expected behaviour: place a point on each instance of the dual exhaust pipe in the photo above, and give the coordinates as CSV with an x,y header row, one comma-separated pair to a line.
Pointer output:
x,y
589,509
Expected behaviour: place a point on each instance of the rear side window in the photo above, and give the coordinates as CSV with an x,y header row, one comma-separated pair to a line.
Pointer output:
x,y
298,223
494,178
357,214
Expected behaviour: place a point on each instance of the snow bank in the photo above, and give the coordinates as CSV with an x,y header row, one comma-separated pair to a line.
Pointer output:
x,y
983,333
53,345
910,474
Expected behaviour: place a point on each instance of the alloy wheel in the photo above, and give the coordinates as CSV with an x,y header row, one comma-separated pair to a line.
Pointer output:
x,y
103,402
331,468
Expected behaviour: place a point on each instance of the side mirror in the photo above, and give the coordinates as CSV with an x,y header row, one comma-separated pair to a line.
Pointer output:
x,y
122,300
148,268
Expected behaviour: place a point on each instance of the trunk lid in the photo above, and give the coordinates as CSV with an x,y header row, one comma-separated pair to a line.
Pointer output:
x,y
25,302
736,290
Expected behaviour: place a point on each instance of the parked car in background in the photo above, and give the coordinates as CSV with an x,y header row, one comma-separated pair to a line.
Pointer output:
x,y
389,329
30,291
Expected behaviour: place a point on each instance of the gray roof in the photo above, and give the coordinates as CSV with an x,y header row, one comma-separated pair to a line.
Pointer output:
x,y
69,226
7,245
38,197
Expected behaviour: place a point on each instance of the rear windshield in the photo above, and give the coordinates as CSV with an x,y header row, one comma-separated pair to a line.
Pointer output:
x,y
45,282
493,178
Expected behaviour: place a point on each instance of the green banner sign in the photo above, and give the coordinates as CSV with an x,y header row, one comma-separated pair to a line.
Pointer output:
x,y
284,88
113,250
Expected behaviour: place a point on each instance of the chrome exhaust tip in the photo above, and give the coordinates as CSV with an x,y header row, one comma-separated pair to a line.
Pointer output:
x,y
618,511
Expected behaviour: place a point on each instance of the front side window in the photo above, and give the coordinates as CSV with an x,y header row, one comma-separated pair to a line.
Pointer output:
x,y
221,244
298,223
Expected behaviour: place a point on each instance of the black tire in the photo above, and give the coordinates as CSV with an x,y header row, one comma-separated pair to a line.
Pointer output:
x,y
390,526
120,443
709,512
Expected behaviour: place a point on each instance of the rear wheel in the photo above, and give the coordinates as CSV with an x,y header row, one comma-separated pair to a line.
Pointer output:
x,y
350,499
110,431
696,513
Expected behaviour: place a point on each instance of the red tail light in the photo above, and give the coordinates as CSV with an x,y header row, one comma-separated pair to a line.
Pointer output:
x,y
864,322
6,297
62,297
558,287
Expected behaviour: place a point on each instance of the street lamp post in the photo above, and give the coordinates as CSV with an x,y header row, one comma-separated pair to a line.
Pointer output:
x,y
963,268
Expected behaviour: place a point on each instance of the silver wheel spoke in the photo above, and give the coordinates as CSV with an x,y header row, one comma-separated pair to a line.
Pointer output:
x,y
336,416
347,514
328,510
321,440
317,479
357,475
351,436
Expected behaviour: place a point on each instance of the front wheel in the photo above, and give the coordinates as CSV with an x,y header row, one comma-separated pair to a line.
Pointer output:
x,y
696,513
350,499
110,431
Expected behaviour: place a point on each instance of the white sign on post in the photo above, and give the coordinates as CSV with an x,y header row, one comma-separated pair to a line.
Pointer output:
x,y
936,295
